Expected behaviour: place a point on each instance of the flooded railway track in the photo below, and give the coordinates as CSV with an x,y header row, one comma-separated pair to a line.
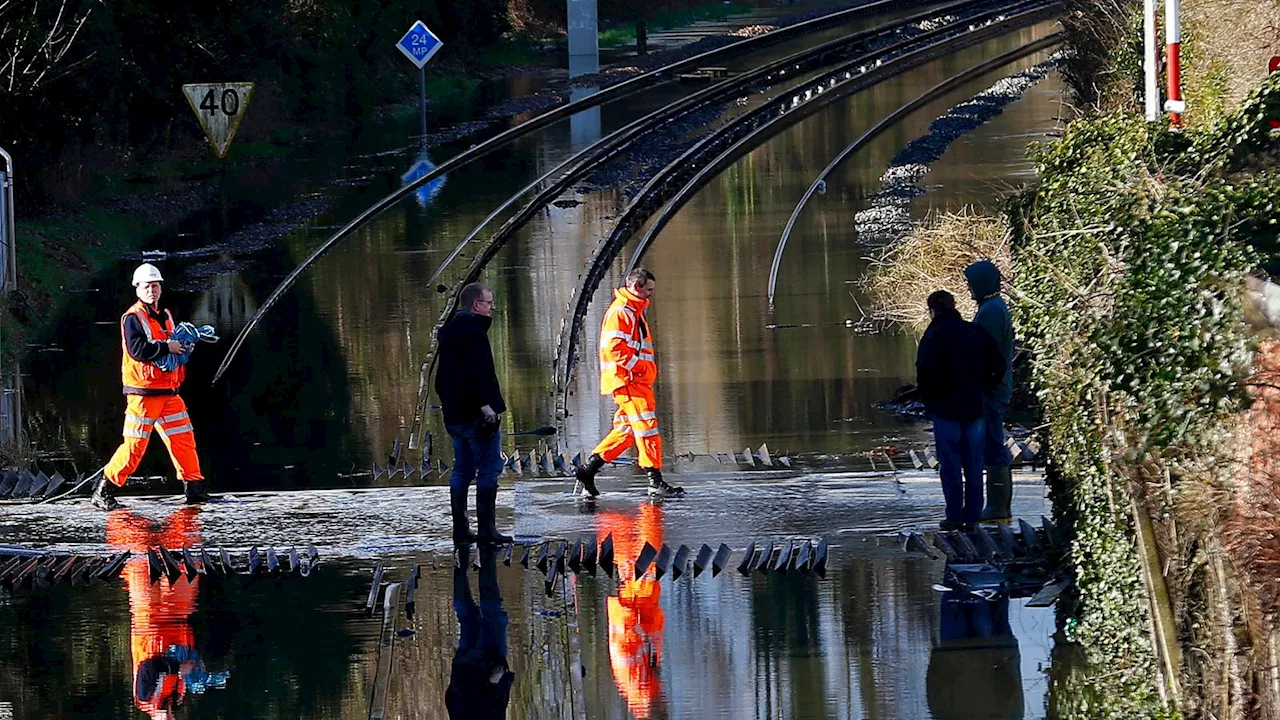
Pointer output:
x,y
621,90
678,180
859,56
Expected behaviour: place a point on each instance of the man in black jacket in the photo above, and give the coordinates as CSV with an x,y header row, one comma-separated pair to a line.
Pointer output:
x,y
956,364
468,388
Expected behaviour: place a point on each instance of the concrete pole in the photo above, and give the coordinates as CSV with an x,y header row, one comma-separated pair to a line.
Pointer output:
x,y
1174,105
584,33
584,59
8,233
1151,60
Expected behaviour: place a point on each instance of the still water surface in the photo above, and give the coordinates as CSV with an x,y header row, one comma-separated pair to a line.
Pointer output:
x,y
329,381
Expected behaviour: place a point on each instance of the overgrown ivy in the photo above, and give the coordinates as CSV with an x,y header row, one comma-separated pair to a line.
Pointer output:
x,y
1130,256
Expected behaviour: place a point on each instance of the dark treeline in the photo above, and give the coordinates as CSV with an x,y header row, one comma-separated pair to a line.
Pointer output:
x,y
94,83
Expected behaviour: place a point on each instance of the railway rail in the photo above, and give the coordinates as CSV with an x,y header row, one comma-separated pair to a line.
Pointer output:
x,y
676,182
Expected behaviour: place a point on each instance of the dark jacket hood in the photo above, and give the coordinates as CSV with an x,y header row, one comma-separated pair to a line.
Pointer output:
x,y
983,278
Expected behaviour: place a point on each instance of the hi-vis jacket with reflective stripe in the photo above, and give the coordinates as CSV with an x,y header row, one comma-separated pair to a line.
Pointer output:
x,y
626,347
145,378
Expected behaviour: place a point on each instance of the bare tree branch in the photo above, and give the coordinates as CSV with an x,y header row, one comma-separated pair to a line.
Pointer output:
x,y
36,43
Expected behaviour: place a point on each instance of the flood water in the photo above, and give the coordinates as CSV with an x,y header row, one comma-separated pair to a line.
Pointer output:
x,y
328,384
873,639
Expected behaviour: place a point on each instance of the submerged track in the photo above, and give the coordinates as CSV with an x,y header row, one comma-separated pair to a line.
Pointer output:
x,y
614,92
719,149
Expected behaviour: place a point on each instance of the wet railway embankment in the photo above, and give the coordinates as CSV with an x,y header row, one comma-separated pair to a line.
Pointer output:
x,y
1138,266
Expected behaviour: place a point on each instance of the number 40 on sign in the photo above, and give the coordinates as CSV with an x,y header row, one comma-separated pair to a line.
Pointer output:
x,y
219,107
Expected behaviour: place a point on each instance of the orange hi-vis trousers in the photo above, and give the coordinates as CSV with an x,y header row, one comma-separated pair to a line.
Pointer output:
x,y
167,414
635,422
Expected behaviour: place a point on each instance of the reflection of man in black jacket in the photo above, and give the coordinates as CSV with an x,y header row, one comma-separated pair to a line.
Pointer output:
x,y
480,682
956,364
467,384
975,669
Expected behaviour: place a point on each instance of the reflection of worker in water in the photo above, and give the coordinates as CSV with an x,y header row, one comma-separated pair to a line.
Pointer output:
x,y
166,665
975,670
480,682
628,370
635,613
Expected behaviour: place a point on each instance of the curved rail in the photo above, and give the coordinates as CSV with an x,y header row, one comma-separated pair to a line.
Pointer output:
x,y
732,153
892,118
618,141
830,87
622,89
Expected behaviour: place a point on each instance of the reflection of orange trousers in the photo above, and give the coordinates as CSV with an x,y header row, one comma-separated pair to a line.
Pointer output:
x,y
635,614
635,422
158,613
166,414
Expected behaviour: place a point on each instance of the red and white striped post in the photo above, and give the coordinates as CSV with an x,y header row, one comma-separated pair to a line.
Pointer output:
x,y
1274,67
1174,104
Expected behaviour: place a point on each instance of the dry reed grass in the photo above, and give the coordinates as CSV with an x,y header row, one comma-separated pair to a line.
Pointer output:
x,y
933,258
1232,40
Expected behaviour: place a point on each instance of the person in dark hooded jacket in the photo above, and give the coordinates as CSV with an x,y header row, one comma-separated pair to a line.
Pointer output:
x,y
956,364
993,316
472,402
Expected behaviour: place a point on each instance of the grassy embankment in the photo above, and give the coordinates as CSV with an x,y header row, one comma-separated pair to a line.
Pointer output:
x,y
1130,263
63,247
625,34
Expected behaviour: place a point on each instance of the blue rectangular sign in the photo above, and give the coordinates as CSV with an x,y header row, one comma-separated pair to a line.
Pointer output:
x,y
419,44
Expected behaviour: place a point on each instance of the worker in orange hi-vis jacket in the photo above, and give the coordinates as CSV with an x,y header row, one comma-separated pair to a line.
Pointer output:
x,y
635,613
153,403
166,665
628,370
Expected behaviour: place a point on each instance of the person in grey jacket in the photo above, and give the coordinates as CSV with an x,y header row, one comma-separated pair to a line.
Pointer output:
x,y
993,316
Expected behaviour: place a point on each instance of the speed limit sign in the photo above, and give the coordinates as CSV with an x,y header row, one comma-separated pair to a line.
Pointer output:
x,y
219,107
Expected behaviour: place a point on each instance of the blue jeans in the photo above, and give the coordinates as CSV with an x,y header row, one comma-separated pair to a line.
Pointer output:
x,y
995,454
476,456
960,452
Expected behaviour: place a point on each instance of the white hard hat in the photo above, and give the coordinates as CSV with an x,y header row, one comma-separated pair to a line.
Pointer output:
x,y
146,273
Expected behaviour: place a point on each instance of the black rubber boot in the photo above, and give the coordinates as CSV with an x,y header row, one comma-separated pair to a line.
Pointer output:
x,y
195,492
462,534
586,474
104,496
999,494
487,517
658,486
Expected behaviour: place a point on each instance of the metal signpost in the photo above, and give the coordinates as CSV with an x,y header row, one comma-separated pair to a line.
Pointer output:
x,y
419,44
220,107
8,241
1150,61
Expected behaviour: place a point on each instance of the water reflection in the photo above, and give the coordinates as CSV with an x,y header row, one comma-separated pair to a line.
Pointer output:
x,y
421,166
11,421
480,679
166,664
974,668
635,611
